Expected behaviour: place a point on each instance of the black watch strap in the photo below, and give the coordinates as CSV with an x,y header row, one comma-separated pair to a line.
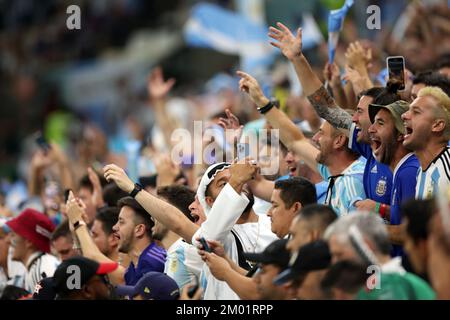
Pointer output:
x,y
137,188
266,108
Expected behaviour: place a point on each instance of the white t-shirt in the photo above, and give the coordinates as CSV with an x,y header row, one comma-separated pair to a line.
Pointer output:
x,y
40,265
226,210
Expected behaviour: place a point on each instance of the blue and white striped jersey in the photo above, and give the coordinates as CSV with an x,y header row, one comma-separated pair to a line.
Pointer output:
x,y
434,177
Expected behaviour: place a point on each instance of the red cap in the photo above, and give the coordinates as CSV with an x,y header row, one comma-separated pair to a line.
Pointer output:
x,y
34,226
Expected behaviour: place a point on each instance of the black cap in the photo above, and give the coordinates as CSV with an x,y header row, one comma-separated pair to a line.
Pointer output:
x,y
275,253
44,290
152,286
311,257
87,268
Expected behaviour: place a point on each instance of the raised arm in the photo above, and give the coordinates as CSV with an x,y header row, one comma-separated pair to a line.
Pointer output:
x,y
291,47
290,134
261,188
88,247
229,204
162,211
158,89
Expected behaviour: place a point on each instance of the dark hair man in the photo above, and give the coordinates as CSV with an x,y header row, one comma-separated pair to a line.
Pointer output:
x,y
103,233
288,197
417,215
387,134
134,230
62,241
183,264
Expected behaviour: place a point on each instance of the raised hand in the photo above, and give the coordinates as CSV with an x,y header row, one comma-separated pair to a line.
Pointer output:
x,y
97,195
231,123
243,171
290,45
249,85
75,209
357,56
157,88
114,173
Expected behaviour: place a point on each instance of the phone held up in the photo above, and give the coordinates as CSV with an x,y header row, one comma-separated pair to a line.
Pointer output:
x,y
42,142
396,71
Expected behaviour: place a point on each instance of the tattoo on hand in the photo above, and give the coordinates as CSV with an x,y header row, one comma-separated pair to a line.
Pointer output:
x,y
327,108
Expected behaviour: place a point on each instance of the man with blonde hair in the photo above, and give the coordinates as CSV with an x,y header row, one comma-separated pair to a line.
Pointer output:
x,y
427,126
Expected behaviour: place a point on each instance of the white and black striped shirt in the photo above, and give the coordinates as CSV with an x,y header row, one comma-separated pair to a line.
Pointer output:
x,y
40,265
434,177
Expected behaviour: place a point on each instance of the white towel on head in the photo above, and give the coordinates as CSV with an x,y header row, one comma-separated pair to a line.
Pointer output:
x,y
206,180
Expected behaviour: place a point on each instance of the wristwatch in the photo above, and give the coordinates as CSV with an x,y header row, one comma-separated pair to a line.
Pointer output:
x,y
137,188
78,223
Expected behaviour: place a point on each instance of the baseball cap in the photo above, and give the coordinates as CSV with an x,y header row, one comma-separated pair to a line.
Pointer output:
x,y
152,286
87,267
275,253
44,290
34,226
396,109
311,257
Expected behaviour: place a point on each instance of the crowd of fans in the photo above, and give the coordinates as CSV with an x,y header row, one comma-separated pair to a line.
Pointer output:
x,y
358,206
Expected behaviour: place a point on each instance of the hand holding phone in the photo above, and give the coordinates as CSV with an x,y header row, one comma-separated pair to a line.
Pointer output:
x,y
205,244
396,71
42,142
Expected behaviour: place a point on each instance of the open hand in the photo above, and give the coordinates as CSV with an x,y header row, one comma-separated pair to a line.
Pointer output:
x,y
157,88
290,45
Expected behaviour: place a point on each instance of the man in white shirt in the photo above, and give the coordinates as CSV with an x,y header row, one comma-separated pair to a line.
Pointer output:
x,y
231,207
30,240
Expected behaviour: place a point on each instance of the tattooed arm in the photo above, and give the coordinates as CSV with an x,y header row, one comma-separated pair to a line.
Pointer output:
x,y
291,47
327,108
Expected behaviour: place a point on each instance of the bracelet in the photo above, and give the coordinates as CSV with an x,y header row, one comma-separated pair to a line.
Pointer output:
x,y
377,207
266,108
382,210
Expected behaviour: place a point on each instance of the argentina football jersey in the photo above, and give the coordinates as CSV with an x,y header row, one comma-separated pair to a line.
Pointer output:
x,y
377,178
434,177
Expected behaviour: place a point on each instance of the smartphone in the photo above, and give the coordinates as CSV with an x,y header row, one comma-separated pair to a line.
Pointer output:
x,y
205,245
42,142
396,71
66,195
243,150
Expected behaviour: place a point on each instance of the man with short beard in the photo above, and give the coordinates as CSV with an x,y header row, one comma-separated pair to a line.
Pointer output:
x,y
134,230
387,132
333,160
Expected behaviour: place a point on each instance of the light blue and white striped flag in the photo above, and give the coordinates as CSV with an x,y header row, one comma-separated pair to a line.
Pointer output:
x,y
211,26
335,23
